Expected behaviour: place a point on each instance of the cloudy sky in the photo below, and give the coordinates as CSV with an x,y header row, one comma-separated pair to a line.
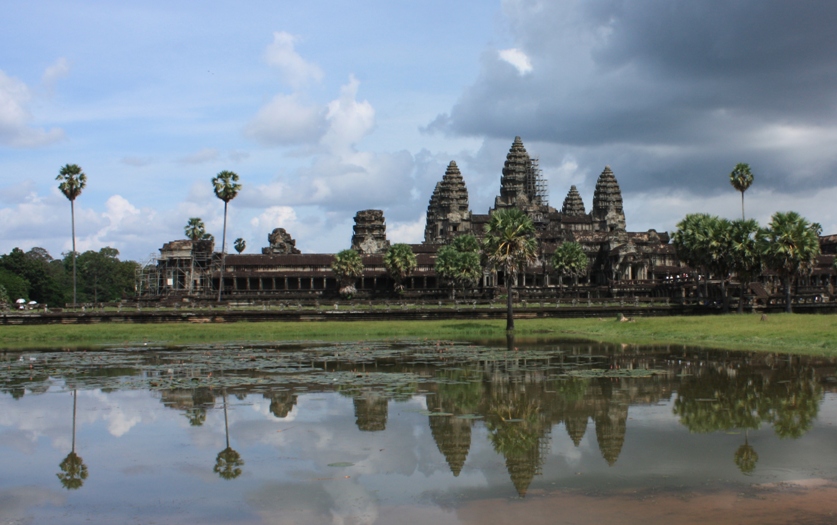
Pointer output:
x,y
325,108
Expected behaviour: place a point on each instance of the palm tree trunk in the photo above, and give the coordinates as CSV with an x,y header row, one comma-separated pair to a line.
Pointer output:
x,y
509,307
741,295
223,254
73,223
742,206
724,297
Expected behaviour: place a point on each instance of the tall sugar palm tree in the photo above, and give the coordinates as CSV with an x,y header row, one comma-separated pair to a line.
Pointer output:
x,y
790,246
509,244
226,187
741,178
400,262
72,181
195,230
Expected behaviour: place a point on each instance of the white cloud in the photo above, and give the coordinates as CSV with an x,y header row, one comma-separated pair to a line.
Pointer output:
x,y
286,120
59,69
295,70
411,232
15,118
275,217
516,58
348,120
137,162
200,157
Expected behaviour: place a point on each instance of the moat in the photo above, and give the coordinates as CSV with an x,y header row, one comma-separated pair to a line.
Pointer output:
x,y
416,431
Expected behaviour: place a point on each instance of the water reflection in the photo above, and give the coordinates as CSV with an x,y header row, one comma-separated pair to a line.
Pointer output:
x,y
228,462
73,470
504,419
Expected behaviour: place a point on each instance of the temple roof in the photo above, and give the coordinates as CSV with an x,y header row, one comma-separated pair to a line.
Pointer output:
x,y
573,205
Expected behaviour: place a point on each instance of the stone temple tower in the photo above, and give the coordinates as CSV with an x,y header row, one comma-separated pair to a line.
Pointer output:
x,y
370,232
513,182
448,214
573,205
607,212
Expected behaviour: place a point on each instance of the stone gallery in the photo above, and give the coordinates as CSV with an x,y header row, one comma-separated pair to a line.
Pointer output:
x,y
620,263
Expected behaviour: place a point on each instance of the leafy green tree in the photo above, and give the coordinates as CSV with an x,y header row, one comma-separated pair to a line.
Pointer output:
x,y
509,244
226,187
569,259
44,276
459,264
15,286
72,182
104,277
347,267
790,246
741,179
400,262
744,251
4,298
240,245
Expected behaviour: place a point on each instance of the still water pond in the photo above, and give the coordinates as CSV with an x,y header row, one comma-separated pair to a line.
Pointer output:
x,y
416,432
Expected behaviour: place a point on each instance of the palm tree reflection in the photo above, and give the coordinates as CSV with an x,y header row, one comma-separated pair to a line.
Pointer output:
x,y
228,462
73,470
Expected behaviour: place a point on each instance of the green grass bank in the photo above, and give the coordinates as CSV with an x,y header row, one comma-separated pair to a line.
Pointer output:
x,y
785,333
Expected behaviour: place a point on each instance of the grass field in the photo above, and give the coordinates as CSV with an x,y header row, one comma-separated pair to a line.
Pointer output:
x,y
786,333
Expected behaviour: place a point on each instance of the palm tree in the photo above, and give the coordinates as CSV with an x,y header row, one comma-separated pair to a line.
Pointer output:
x,y
741,178
195,231
509,244
400,262
569,259
459,262
347,266
790,246
73,180
226,187
690,240
744,251
240,245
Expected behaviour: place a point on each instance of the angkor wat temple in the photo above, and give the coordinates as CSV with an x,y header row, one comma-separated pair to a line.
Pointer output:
x,y
621,263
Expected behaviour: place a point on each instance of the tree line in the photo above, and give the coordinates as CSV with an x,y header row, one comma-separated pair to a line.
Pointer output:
x,y
36,276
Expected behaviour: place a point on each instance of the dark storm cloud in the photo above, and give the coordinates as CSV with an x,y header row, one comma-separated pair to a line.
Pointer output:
x,y
677,91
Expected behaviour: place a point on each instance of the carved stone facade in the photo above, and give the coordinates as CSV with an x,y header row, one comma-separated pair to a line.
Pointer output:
x,y
281,243
370,233
573,205
448,214
607,203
